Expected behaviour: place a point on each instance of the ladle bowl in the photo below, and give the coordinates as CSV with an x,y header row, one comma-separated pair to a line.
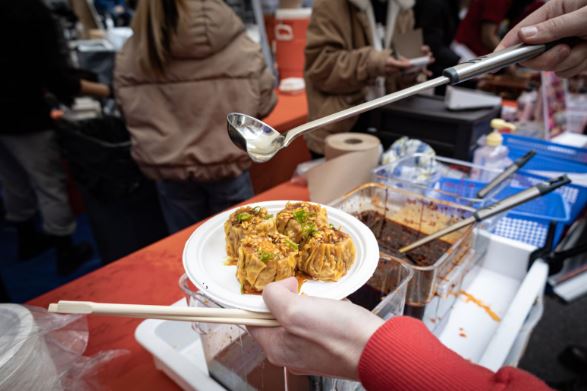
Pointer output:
x,y
254,136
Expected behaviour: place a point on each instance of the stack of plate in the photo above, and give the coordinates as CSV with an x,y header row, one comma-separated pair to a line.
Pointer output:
x,y
25,362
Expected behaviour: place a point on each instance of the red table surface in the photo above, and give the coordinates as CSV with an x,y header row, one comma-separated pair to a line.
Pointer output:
x,y
148,276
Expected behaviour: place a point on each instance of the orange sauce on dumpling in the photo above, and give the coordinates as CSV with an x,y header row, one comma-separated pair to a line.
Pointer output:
x,y
230,262
301,277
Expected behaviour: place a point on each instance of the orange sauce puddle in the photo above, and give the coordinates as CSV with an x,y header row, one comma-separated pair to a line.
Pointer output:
x,y
472,299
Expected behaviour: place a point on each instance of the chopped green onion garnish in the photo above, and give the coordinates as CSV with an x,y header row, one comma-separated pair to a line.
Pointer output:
x,y
265,256
244,216
293,245
309,230
300,215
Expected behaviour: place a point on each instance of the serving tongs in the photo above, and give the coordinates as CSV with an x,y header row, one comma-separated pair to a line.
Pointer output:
x,y
262,142
505,174
482,214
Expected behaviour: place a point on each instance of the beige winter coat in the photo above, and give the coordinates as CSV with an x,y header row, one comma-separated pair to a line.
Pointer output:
x,y
341,62
178,122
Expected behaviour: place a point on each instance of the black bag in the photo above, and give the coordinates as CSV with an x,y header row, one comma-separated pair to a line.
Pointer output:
x,y
98,151
121,203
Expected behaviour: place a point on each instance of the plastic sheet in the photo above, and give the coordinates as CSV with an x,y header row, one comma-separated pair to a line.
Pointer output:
x,y
44,351
405,146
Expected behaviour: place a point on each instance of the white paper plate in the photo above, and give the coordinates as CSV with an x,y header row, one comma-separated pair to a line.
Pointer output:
x,y
204,256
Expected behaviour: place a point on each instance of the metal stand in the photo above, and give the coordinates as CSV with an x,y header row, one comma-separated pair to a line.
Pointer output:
x,y
263,36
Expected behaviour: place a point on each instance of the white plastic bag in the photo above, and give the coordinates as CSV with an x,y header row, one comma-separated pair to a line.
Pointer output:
x,y
44,351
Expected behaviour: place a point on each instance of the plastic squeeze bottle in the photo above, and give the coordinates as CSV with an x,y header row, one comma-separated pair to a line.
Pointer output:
x,y
493,155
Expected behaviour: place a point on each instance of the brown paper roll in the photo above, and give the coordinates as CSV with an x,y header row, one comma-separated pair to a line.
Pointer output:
x,y
342,143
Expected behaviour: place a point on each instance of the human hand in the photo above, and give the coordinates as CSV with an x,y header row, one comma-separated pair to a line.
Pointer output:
x,y
317,336
396,65
555,20
425,49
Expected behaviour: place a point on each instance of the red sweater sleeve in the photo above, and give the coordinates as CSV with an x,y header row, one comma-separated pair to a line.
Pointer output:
x,y
404,355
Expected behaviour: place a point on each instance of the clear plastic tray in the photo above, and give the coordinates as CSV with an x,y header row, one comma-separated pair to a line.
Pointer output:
x,y
234,359
421,174
392,203
227,347
386,296
446,183
390,304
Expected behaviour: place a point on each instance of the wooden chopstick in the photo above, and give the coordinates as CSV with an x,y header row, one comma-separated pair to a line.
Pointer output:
x,y
88,307
189,314
235,321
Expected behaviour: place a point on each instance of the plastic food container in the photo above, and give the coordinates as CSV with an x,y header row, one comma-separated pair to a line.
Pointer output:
x,y
422,174
237,362
385,293
449,182
388,294
233,357
423,215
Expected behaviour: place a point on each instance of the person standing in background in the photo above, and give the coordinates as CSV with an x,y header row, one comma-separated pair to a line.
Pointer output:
x,y
348,60
189,64
31,171
522,8
110,6
479,30
118,10
439,21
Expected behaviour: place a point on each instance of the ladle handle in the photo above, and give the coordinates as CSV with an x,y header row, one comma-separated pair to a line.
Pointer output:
x,y
461,72
361,108
492,62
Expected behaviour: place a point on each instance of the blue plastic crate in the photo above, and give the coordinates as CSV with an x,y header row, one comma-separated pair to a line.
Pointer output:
x,y
574,195
548,164
528,222
546,148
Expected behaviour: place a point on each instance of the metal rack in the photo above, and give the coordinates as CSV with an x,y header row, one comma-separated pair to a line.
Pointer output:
x,y
251,11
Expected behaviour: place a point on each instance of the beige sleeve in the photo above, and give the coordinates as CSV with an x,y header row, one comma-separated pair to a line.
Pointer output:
x,y
331,66
267,98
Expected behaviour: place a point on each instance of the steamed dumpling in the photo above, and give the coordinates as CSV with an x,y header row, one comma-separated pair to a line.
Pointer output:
x,y
327,255
263,259
243,222
300,218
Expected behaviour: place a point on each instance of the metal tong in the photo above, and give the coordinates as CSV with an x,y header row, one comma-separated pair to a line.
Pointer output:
x,y
492,210
509,171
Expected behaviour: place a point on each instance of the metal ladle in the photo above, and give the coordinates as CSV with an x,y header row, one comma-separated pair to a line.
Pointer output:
x,y
262,142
